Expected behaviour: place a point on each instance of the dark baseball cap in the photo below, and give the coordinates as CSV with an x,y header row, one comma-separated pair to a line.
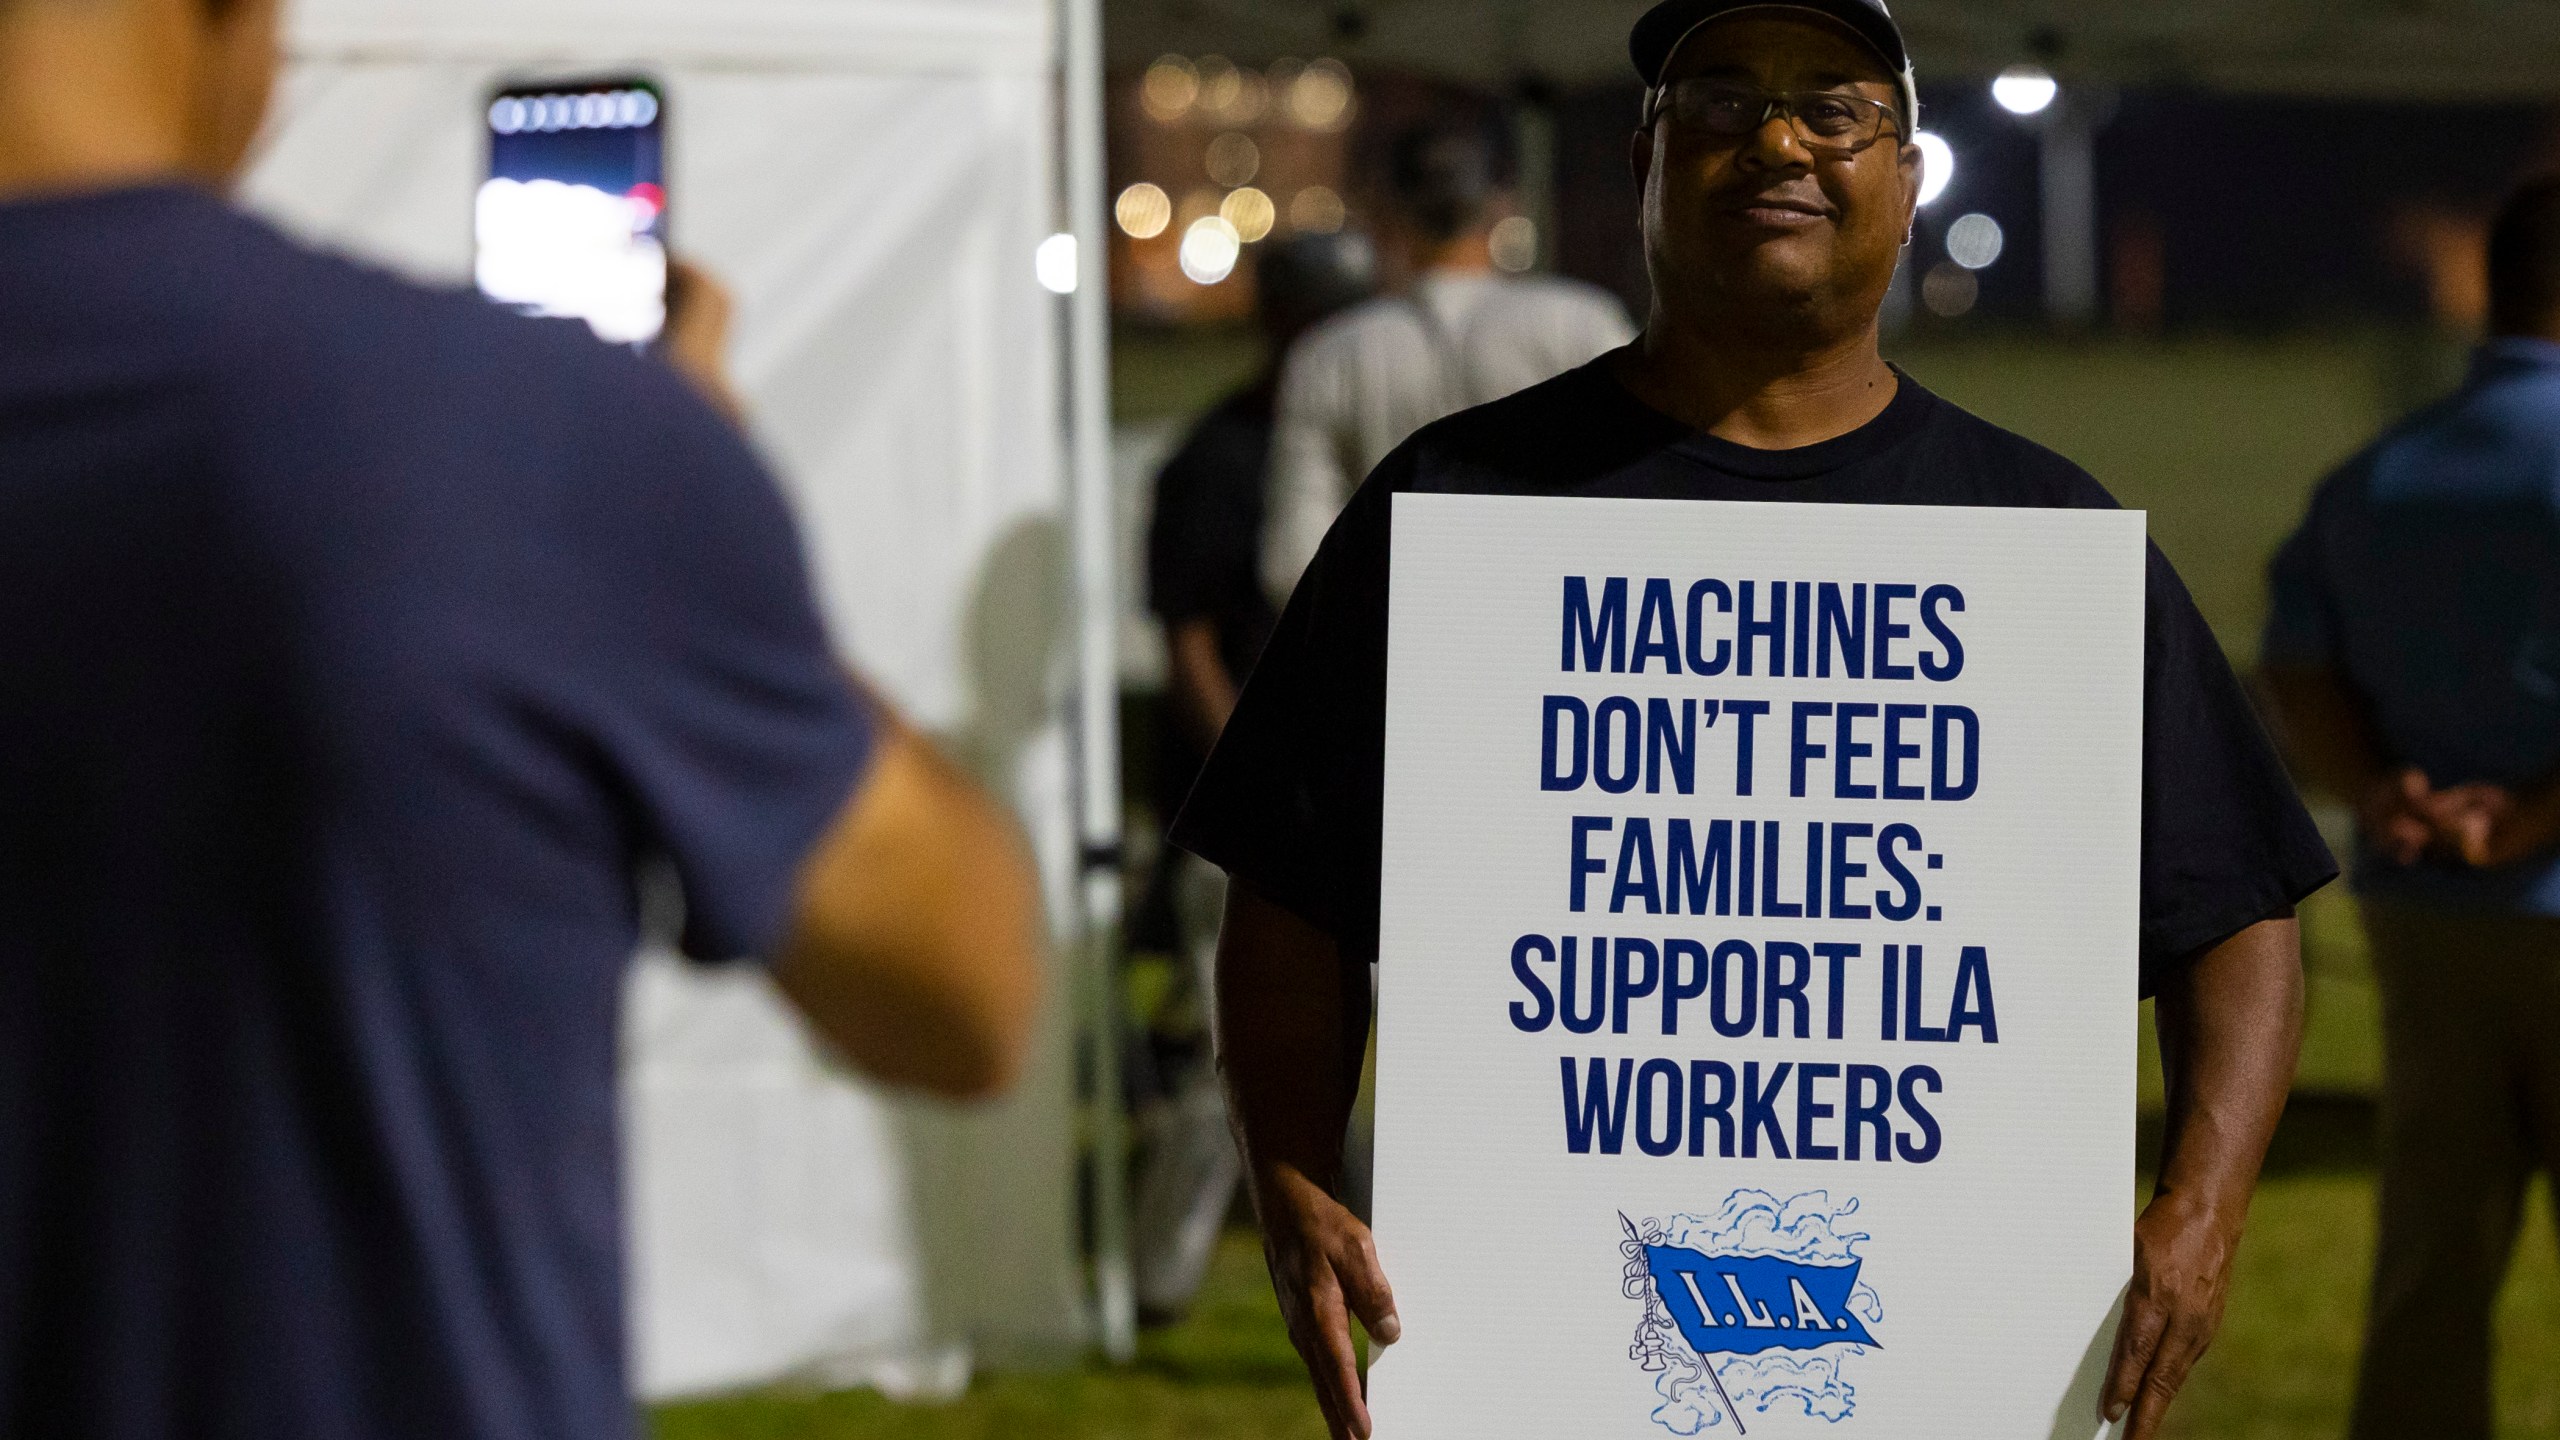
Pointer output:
x,y
1665,25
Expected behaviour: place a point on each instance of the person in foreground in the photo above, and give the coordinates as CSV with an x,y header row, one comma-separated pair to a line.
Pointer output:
x,y
362,643
2414,658
1778,186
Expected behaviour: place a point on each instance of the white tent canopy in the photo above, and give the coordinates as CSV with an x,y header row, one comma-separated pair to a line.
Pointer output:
x,y
872,178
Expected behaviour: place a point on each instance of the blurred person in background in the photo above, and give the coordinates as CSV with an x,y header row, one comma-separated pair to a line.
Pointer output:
x,y
1456,332
1778,186
361,645
2413,655
1204,583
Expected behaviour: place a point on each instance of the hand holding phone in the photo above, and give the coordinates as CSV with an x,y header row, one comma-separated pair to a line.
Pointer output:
x,y
572,220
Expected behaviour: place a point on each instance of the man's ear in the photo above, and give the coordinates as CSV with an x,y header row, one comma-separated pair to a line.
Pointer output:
x,y
1640,159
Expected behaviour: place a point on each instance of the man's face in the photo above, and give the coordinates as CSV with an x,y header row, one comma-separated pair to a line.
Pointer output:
x,y
1763,231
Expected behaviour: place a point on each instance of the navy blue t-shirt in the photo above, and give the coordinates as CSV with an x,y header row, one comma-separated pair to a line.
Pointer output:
x,y
358,642
1291,802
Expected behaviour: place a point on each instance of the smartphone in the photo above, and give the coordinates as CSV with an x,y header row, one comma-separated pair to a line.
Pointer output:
x,y
572,220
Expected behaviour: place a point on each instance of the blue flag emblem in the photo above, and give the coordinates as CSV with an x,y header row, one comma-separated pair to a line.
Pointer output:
x,y
1755,1306
1743,1305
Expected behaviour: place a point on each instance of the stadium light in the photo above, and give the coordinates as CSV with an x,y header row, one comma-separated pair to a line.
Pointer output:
x,y
1210,248
1937,164
2025,90
1055,262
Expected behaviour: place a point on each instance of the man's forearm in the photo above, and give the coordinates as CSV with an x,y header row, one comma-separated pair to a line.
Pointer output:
x,y
1292,1027
1291,1031
2230,1034
2230,1030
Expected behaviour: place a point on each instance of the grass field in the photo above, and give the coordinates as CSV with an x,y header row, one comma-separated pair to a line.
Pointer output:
x,y
2280,1372
2219,441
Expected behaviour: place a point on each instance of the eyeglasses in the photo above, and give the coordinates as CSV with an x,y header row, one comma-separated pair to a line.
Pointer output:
x,y
1826,120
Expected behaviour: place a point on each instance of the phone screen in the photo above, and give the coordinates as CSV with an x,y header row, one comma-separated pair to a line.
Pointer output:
x,y
572,220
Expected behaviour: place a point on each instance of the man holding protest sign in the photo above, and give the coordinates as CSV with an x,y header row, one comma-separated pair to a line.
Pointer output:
x,y
1778,186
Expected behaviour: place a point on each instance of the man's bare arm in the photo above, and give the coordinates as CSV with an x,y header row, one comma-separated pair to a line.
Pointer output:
x,y
1292,1028
2230,1032
916,942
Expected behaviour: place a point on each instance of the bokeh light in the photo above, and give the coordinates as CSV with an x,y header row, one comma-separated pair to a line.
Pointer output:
x,y
1949,290
1320,98
1209,250
1316,210
1250,212
1234,159
1937,165
1221,86
1975,241
1514,242
1143,211
1245,101
1171,87
2025,90
1055,264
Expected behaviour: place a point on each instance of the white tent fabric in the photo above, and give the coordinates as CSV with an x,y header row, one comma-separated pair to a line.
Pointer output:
x,y
871,177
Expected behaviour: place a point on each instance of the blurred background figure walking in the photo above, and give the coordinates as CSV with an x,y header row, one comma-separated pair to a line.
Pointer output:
x,y
1204,585
1455,331
2414,653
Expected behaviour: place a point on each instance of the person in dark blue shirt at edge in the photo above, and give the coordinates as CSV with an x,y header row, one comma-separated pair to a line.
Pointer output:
x,y
1771,244
358,643
2413,652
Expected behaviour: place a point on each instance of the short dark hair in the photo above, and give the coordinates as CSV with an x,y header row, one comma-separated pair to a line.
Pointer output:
x,y
1443,175
2524,259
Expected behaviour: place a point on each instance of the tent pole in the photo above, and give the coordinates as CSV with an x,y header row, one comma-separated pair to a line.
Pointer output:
x,y
1533,131
1096,551
2070,180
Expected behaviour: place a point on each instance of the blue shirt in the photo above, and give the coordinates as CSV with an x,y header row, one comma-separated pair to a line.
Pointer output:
x,y
2427,574
357,643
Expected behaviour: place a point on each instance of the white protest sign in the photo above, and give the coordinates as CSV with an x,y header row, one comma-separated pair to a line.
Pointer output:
x,y
1757,968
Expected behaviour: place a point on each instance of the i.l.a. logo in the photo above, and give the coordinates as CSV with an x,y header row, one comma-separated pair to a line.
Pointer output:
x,y
1750,1309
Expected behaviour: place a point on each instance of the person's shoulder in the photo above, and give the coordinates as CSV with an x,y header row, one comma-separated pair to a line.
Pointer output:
x,y
397,360
1349,330
365,318
1999,466
1548,438
1560,293
2414,456
1337,353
